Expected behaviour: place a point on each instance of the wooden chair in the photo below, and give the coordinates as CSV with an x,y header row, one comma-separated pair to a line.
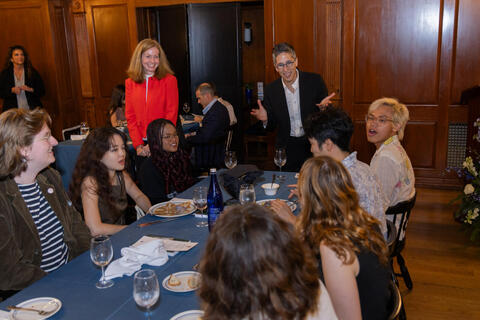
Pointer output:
x,y
265,147
396,303
400,214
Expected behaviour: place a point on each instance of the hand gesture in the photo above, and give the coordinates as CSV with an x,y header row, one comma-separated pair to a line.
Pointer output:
x,y
143,151
260,113
281,208
293,192
326,101
26,88
16,90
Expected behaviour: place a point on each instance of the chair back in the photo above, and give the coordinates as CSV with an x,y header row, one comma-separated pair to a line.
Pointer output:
x,y
395,301
67,132
400,214
391,235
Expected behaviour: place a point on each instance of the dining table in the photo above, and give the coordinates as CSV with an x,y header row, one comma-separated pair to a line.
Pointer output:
x,y
74,283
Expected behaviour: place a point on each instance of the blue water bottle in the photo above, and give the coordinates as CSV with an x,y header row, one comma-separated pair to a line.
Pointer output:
x,y
214,199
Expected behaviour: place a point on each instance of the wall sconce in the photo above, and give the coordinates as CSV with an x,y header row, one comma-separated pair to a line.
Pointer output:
x,y
247,33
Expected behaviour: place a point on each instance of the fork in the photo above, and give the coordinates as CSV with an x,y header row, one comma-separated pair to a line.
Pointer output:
x,y
40,312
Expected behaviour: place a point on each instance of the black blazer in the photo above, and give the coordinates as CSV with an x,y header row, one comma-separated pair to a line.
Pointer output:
x,y
312,91
209,142
7,82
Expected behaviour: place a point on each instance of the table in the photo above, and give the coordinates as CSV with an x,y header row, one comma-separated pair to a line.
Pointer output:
x,y
74,283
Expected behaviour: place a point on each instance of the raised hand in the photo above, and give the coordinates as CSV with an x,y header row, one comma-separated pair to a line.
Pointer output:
x,y
260,113
326,101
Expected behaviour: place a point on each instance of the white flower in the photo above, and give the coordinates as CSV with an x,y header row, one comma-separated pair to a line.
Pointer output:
x,y
471,215
468,189
468,164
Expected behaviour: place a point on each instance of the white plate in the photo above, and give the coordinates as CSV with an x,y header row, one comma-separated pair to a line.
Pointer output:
x,y
188,315
266,204
182,208
184,277
44,303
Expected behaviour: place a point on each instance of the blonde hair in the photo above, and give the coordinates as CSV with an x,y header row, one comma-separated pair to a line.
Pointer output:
x,y
400,112
331,213
135,70
18,127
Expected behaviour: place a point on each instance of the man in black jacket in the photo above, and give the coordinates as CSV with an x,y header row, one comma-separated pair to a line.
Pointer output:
x,y
209,140
288,102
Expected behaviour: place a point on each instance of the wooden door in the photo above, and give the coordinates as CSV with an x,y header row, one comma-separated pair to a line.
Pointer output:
x,y
112,37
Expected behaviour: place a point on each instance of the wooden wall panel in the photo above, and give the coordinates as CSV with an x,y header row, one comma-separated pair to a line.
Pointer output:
x,y
253,55
466,61
292,21
397,50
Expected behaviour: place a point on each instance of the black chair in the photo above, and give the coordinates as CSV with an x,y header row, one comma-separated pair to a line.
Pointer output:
x,y
400,214
67,132
396,303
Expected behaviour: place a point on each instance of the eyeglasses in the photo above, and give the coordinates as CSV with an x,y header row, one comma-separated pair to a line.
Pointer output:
x,y
379,121
287,64
170,137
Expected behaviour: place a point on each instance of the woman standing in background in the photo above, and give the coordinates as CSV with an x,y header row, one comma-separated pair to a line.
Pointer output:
x,y
20,84
151,92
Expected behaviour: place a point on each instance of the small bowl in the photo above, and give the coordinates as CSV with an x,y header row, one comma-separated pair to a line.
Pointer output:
x,y
270,189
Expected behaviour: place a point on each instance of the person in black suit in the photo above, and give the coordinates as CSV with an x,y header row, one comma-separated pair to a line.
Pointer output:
x,y
288,102
209,140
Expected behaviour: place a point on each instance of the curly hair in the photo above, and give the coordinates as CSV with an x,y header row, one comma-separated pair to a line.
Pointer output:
x,y
27,64
255,266
135,70
18,127
89,164
331,213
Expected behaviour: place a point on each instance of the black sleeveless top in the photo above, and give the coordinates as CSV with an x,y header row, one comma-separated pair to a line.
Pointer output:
x,y
373,282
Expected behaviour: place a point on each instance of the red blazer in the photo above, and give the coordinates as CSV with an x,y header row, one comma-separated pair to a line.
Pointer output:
x,y
162,103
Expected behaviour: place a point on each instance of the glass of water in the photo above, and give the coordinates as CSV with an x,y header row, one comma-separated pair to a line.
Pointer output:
x,y
146,290
84,128
247,194
280,159
230,159
200,201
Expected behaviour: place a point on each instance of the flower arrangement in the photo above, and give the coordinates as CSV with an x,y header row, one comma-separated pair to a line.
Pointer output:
x,y
469,210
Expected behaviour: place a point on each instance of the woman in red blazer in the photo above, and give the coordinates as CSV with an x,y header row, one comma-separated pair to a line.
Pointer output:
x,y
151,92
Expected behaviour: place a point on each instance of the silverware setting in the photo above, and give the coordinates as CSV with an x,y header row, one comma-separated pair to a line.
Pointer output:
x,y
141,225
40,312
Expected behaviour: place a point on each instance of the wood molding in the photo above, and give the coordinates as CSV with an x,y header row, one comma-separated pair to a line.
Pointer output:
x,y
78,6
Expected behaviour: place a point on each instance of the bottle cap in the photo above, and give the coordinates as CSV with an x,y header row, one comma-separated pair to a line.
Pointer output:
x,y
213,170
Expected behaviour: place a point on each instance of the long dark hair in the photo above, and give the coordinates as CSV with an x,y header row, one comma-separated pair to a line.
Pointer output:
x,y
27,64
89,163
175,166
117,100
256,267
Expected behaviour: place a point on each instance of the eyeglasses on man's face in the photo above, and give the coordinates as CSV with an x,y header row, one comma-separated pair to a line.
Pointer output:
x,y
287,64
379,121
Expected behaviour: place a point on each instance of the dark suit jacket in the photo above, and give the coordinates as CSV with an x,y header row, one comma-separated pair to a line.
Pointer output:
x,y
7,82
312,91
209,142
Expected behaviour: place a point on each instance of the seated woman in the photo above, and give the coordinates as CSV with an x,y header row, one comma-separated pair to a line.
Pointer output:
x,y
347,241
168,171
39,228
385,124
100,183
256,267
116,110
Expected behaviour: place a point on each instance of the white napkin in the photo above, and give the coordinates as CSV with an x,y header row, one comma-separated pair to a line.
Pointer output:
x,y
4,315
152,253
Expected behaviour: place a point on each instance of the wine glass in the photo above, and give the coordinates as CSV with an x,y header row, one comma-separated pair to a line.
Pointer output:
x,y
186,108
101,253
146,290
200,201
247,193
230,159
280,159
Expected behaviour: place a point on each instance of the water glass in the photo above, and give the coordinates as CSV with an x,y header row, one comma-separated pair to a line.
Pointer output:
x,y
84,128
230,159
186,108
146,290
101,253
200,201
280,159
247,194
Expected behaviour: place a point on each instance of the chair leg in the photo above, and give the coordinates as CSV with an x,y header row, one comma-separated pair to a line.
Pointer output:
x,y
404,271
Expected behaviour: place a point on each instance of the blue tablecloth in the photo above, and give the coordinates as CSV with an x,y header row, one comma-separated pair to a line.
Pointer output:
x,y
74,283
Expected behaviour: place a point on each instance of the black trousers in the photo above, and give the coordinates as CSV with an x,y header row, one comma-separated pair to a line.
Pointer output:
x,y
298,150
